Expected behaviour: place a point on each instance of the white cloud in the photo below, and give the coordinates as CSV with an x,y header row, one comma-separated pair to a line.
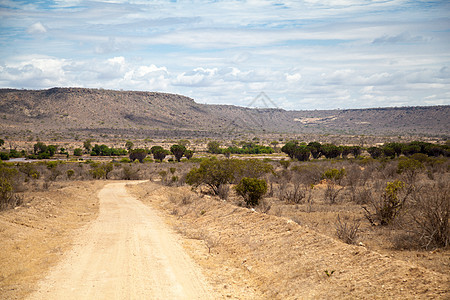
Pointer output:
x,y
36,28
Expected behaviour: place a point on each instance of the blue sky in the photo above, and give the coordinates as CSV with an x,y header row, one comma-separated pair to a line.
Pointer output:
x,y
312,54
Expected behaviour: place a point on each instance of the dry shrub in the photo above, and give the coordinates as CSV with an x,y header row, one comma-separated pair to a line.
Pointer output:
x,y
429,214
308,173
292,193
264,206
353,175
332,192
346,232
359,195
386,208
223,191
130,173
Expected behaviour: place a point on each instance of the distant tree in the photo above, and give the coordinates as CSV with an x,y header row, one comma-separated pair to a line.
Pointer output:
x,y
227,152
87,145
331,151
138,154
396,147
388,151
129,145
2,142
214,147
39,147
188,154
289,148
346,150
159,153
77,151
51,149
301,153
356,151
178,151
375,152
411,149
315,147
184,143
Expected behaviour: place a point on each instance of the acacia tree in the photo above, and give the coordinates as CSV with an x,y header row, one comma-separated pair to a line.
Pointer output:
x,y
188,154
159,153
138,154
294,150
315,147
178,151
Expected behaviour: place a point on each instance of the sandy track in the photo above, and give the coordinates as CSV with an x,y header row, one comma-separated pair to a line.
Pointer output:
x,y
126,253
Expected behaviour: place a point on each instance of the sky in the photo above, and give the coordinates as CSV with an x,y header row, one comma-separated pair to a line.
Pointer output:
x,y
304,55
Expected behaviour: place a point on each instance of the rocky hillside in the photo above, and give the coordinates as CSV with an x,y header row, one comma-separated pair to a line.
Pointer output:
x,y
71,112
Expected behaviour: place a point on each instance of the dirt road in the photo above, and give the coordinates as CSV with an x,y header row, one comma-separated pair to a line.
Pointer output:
x,y
126,253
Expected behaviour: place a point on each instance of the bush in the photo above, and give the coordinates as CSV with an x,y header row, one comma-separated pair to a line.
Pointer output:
x,y
335,175
292,195
410,167
130,173
430,212
8,198
214,172
390,204
70,173
252,190
100,171
30,170
77,152
348,233
4,156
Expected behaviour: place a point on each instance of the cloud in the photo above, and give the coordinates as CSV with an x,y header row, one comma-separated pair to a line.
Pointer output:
x,y
401,38
36,28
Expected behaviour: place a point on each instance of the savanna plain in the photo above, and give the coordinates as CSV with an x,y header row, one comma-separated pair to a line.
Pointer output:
x,y
256,219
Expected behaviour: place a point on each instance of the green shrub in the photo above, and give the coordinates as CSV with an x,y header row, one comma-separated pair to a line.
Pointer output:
x,y
391,203
98,173
30,170
334,174
410,167
70,173
252,190
8,198
4,156
77,152
214,172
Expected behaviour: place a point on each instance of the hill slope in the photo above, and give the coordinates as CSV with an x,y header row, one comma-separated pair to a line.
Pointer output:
x,y
73,111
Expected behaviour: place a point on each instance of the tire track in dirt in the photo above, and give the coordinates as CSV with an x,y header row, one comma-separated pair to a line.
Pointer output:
x,y
126,253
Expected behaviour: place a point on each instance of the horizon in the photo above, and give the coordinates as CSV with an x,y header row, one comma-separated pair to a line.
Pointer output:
x,y
303,55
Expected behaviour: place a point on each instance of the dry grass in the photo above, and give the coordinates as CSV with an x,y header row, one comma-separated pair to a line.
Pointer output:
x,y
35,235
278,259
